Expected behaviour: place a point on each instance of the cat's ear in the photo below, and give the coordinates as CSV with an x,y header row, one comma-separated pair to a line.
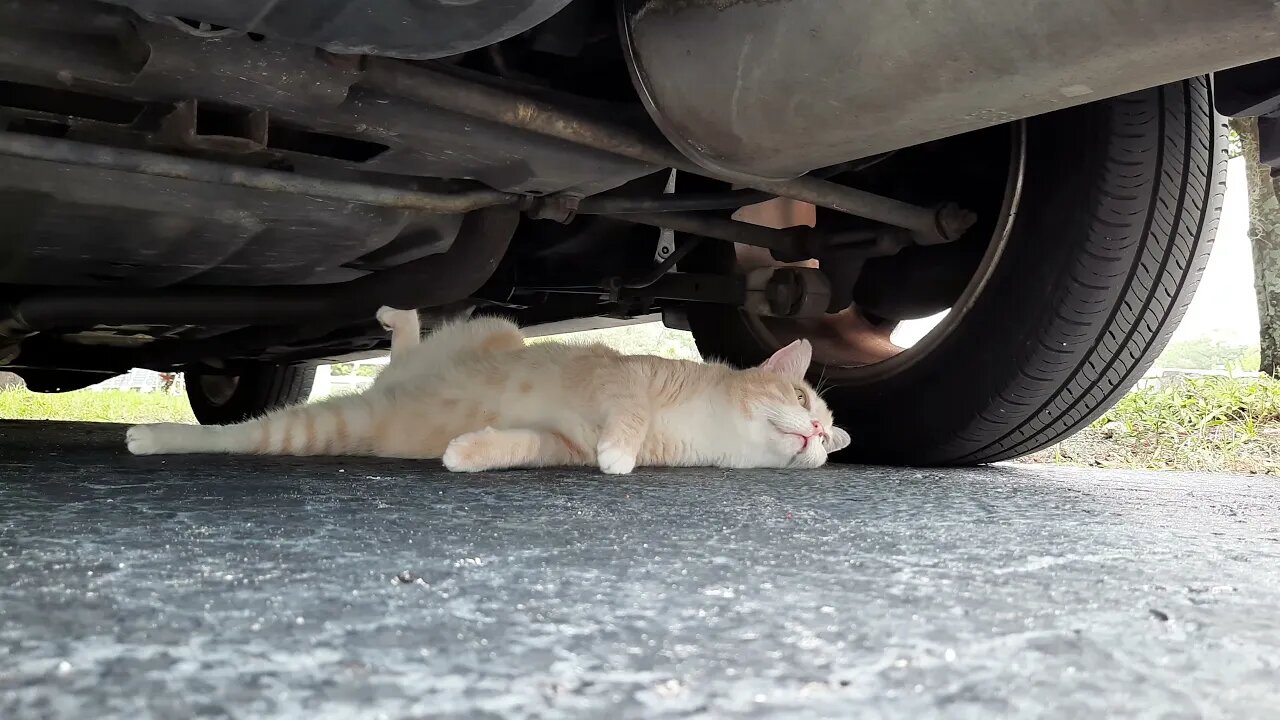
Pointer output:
x,y
792,361
836,440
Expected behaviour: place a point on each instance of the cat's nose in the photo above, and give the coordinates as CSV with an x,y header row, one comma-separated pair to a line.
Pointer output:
x,y
817,427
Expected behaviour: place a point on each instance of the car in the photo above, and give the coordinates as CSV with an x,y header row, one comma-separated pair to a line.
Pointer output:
x,y
231,188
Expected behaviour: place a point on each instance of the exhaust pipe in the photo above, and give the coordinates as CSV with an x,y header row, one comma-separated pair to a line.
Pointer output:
x,y
771,90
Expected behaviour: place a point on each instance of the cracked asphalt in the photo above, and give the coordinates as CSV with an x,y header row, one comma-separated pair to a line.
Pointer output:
x,y
264,587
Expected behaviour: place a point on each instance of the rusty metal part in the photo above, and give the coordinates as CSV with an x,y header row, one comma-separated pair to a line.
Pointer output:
x,y
624,204
472,97
788,292
792,244
449,91
149,163
183,128
236,70
791,241
846,342
785,292
840,254
559,208
101,59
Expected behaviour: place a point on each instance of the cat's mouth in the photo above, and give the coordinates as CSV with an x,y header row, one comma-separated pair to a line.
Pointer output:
x,y
803,440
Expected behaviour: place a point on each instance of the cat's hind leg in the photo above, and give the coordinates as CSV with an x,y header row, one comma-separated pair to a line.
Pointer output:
x,y
405,329
491,449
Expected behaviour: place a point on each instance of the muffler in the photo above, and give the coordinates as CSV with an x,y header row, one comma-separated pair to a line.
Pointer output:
x,y
776,88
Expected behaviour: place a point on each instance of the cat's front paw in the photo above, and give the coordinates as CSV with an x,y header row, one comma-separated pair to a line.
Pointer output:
x,y
615,460
144,439
464,453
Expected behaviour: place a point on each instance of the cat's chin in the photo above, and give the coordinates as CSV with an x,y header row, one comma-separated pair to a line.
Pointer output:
x,y
808,460
790,451
811,455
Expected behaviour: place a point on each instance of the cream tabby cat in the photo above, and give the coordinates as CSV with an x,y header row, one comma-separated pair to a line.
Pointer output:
x,y
475,395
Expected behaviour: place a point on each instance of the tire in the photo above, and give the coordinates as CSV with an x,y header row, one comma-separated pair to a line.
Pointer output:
x,y
1120,203
225,399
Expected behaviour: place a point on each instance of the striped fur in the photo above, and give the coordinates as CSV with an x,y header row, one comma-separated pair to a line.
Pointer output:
x,y
475,395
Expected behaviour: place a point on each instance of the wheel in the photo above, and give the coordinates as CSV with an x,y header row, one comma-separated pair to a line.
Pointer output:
x,y
218,399
1109,213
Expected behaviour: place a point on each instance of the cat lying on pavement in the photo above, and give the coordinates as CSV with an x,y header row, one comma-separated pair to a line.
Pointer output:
x,y
476,396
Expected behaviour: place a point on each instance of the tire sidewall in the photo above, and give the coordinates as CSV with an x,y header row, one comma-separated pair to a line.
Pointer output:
x,y
261,389
941,407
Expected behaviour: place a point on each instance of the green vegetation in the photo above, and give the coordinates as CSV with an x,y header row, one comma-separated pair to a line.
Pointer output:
x,y
341,369
1211,424
118,406
1206,354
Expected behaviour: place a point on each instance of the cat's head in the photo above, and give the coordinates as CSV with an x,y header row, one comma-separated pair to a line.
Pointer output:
x,y
792,423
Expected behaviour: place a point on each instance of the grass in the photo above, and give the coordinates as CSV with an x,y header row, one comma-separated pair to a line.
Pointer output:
x,y
121,406
118,406
1214,424
1217,424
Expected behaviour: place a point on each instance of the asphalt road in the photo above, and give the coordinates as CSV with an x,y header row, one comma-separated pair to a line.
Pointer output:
x,y
250,587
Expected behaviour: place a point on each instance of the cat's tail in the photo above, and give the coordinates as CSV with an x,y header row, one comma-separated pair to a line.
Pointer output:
x,y
336,426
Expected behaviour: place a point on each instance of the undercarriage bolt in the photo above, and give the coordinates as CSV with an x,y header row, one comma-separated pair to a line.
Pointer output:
x,y
953,221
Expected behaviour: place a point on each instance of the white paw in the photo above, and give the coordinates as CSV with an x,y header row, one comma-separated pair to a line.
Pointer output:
x,y
144,439
390,317
614,460
461,454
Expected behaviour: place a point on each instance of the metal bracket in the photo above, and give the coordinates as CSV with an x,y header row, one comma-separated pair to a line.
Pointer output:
x,y
187,127
790,292
561,208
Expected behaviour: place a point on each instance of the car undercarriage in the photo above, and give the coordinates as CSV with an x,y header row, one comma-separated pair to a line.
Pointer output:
x,y
204,186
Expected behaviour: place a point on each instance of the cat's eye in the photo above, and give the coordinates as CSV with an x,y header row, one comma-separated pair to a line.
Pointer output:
x,y
803,398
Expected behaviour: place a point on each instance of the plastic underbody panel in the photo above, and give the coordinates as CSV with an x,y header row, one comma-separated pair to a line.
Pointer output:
x,y
398,28
71,76
86,227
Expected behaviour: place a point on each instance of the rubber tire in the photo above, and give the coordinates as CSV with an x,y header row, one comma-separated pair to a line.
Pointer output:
x,y
1120,204
262,388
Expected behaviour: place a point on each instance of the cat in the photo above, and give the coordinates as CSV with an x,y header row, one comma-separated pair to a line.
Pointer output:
x,y
474,395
